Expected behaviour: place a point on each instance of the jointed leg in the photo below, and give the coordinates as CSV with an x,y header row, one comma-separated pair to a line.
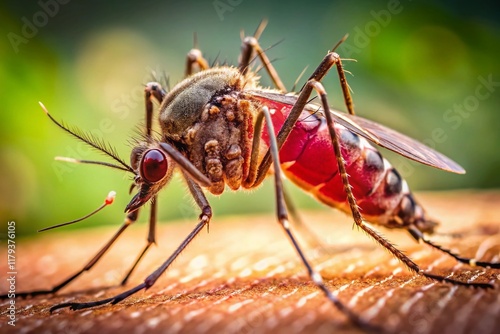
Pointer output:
x,y
205,216
151,240
131,218
331,59
314,83
310,238
355,209
419,236
284,222
152,90
195,60
249,47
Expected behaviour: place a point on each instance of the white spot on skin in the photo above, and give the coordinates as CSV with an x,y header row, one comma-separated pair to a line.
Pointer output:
x,y
135,314
473,278
405,308
208,323
193,275
237,306
352,303
349,268
397,271
290,293
436,262
485,246
393,261
301,323
190,315
343,287
223,299
285,311
379,305
302,301
245,272
176,327
277,270
198,262
86,313
461,318
240,263
263,264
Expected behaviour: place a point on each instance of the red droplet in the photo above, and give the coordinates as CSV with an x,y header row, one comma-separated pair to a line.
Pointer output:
x,y
110,198
154,166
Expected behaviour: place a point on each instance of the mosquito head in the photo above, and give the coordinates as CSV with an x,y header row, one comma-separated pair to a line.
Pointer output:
x,y
153,169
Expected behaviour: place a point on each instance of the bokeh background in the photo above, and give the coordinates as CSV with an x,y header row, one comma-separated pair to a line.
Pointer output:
x,y
422,68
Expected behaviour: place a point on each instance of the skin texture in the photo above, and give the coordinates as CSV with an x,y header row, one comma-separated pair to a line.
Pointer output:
x,y
243,277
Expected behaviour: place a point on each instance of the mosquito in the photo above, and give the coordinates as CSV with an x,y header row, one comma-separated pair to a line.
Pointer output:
x,y
212,131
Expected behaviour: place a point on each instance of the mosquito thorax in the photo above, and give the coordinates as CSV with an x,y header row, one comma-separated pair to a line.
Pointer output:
x,y
208,119
184,104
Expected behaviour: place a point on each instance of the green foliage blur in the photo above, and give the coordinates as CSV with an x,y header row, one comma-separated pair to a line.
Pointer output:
x,y
428,70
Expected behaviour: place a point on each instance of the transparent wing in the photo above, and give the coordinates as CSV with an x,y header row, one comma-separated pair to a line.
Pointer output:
x,y
380,135
400,143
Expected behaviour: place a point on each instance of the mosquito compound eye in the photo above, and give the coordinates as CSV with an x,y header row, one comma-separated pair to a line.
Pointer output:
x,y
154,166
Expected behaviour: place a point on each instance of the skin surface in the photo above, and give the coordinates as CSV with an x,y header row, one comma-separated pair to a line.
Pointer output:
x,y
244,277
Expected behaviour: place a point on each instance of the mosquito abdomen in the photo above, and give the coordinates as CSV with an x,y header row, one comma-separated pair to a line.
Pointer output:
x,y
308,160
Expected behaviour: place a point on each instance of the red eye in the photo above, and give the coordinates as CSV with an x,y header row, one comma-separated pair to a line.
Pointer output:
x,y
154,166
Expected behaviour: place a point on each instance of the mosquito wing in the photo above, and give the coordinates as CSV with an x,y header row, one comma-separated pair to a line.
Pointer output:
x,y
401,144
379,134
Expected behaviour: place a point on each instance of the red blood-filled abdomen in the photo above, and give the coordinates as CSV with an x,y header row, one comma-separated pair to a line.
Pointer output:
x,y
307,158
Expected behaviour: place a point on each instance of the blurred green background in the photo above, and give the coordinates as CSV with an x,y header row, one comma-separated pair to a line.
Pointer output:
x,y
421,68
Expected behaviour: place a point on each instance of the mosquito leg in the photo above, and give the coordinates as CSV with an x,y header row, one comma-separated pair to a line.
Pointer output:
x,y
131,218
284,222
249,47
418,235
151,239
297,109
139,258
355,209
205,216
153,89
195,60
253,165
330,60
311,239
